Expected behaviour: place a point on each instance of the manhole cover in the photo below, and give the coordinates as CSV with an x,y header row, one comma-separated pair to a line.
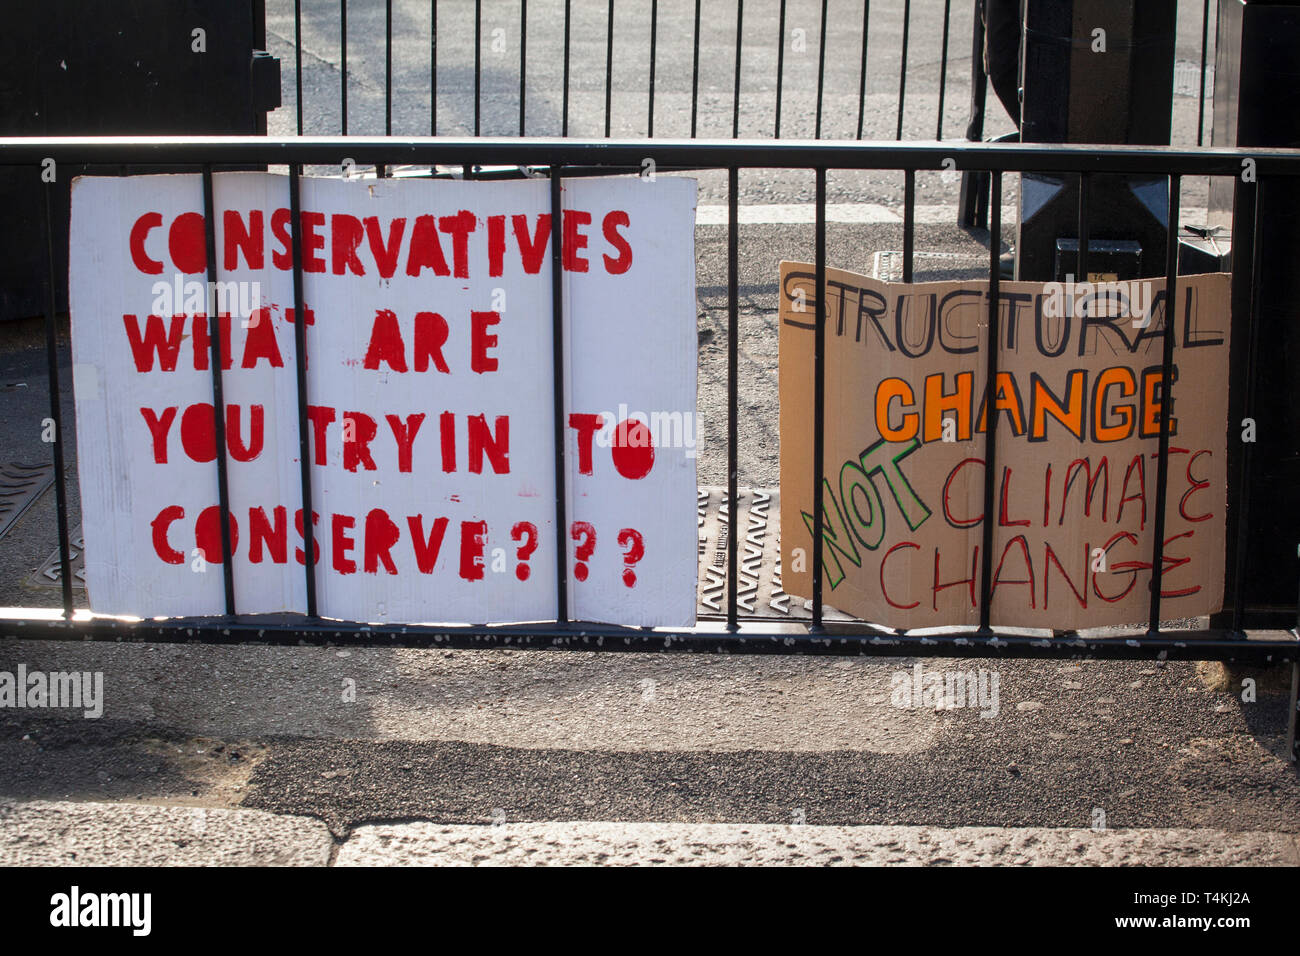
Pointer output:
x,y
1187,78
759,592
887,266
50,574
20,486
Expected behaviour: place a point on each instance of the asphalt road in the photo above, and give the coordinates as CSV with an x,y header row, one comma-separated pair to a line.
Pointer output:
x,y
518,736
513,737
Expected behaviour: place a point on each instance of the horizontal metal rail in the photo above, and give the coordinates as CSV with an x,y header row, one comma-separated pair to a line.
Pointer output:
x,y
628,154
715,637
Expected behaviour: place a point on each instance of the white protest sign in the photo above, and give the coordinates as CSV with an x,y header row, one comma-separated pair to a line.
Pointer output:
x,y
430,398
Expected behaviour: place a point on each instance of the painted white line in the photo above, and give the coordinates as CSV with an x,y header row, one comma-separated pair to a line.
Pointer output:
x,y
784,214
947,214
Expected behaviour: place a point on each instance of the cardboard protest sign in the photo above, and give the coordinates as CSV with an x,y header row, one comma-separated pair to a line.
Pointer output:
x,y
430,388
1077,403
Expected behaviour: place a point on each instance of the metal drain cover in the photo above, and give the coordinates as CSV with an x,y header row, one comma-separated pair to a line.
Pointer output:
x,y
20,486
887,266
758,580
50,575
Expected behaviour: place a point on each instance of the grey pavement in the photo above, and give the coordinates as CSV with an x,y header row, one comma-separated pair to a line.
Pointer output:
x,y
88,834
639,844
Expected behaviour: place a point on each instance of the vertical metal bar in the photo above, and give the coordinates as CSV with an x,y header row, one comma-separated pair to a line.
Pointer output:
x,y
218,401
1290,722
609,66
1245,474
943,66
909,222
1081,262
557,354
992,344
973,194
523,60
821,73
433,68
56,407
388,68
1205,36
735,110
819,401
862,75
695,73
478,65
297,58
343,64
780,67
733,395
654,36
300,366
902,69
568,19
1166,401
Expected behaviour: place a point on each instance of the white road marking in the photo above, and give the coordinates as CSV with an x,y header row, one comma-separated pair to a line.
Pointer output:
x,y
774,214
784,214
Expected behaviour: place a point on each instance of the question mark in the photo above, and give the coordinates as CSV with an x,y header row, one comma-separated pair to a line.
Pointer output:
x,y
584,532
631,539
524,530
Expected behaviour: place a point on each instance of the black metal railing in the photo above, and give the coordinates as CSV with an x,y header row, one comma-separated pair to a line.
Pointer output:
x,y
851,19
732,18
725,631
